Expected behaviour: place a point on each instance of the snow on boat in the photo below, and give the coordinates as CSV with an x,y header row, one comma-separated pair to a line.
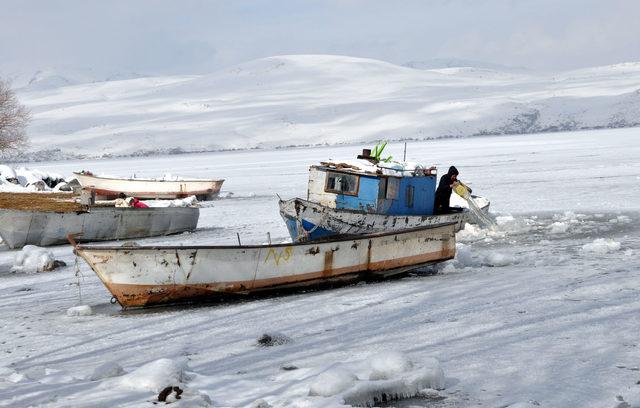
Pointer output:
x,y
46,219
151,275
367,195
144,188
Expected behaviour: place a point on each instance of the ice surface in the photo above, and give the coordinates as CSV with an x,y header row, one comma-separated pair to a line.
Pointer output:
x,y
557,326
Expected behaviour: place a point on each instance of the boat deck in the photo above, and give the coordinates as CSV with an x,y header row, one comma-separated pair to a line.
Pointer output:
x,y
58,202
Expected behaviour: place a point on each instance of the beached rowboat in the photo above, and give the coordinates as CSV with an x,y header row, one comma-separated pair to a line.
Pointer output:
x,y
46,218
23,227
149,275
144,188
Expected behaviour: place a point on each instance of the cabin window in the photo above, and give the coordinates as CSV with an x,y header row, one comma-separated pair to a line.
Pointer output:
x,y
393,185
340,183
410,196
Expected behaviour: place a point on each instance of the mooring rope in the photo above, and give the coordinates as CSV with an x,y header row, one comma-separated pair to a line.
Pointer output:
x,y
79,278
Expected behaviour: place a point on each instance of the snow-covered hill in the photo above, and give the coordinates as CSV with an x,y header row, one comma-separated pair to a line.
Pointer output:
x,y
322,99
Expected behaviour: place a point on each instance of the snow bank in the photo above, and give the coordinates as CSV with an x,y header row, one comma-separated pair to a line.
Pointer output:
x,y
153,376
22,179
10,375
332,382
384,376
558,227
620,219
387,365
82,310
601,246
32,259
505,225
106,370
57,376
260,403
193,399
231,195
499,259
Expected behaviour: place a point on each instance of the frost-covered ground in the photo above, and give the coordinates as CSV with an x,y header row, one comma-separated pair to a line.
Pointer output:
x,y
542,311
320,99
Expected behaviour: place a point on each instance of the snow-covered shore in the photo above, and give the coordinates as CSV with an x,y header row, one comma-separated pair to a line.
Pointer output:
x,y
309,100
541,312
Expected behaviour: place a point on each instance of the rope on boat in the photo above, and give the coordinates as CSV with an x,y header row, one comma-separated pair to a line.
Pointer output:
x,y
79,277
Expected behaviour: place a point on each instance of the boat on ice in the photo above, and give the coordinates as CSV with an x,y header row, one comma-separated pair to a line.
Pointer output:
x,y
152,275
44,219
367,195
147,188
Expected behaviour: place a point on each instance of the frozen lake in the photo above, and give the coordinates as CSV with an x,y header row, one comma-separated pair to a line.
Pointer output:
x,y
543,311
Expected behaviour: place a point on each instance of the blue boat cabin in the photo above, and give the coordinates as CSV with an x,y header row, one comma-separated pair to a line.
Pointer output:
x,y
375,189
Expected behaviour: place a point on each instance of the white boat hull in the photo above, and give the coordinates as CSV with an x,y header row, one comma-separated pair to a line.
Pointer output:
x,y
141,276
105,187
19,227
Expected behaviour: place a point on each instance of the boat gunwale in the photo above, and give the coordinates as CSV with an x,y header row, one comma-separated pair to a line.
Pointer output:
x,y
341,238
90,209
362,212
147,180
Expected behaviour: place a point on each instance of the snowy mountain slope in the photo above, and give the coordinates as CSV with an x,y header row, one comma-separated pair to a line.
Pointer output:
x,y
321,99
50,78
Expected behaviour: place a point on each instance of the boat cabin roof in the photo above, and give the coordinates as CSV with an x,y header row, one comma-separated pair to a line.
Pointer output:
x,y
366,167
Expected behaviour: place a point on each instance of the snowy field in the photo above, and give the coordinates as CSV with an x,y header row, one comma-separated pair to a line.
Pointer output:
x,y
318,99
543,311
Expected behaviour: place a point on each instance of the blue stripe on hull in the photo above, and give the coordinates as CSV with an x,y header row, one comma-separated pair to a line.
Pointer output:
x,y
318,233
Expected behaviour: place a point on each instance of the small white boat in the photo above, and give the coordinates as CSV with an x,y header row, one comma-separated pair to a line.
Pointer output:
x,y
145,188
150,275
46,219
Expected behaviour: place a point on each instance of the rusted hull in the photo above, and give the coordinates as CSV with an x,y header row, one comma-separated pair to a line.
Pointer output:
x,y
19,227
142,276
109,188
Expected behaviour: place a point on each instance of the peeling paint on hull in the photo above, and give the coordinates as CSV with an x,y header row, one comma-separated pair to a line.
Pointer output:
x,y
330,221
143,276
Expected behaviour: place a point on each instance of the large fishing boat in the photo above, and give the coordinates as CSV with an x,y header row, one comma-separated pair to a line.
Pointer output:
x,y
369,195
151,275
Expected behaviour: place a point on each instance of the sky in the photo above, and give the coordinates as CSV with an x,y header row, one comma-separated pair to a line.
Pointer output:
x,y
197,36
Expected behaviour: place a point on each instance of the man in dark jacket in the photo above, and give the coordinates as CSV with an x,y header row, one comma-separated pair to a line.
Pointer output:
x,y
443,192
